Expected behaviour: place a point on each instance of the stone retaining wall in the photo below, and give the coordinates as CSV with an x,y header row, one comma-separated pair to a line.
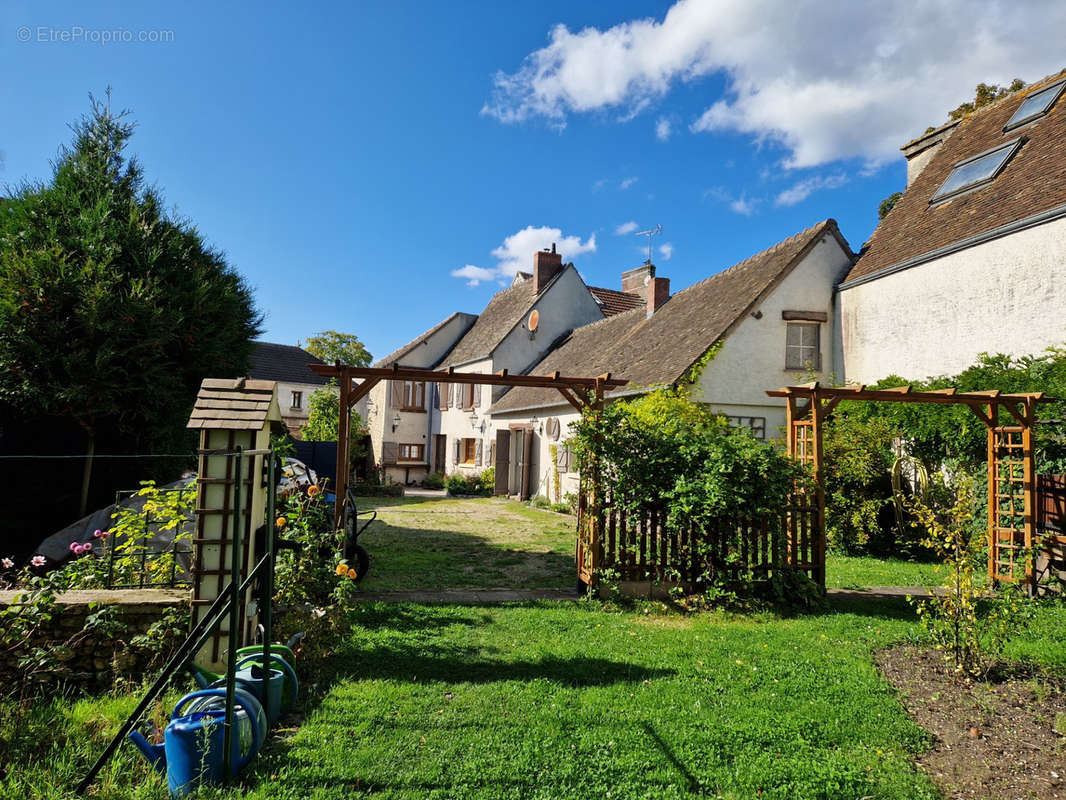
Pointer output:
x,y
97,659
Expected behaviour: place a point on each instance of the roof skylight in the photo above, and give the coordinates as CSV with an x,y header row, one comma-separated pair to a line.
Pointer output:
x,y
977,170
1035,105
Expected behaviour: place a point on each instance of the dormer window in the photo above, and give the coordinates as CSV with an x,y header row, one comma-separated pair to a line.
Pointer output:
x,y
1035,105
977,170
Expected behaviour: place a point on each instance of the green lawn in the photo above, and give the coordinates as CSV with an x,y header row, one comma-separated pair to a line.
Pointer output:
x,y
478,543
468,543
861,572
565,700
561,700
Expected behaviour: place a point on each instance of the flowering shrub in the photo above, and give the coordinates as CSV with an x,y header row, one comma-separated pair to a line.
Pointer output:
x,y
308,573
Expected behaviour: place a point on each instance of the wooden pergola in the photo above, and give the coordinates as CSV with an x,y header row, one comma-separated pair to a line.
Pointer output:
x,y
581,393
1009,419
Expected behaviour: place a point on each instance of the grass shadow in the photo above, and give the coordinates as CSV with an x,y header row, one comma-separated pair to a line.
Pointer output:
x,y
426,558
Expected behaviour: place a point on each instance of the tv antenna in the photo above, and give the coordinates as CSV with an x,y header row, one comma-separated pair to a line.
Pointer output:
x,y
649,233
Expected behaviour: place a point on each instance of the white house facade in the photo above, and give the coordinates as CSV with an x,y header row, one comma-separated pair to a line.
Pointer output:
x,y
972,258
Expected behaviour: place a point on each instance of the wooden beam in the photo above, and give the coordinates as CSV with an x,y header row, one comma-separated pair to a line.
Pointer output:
x,y
1022,418
357,393
987,419
571,398
452,376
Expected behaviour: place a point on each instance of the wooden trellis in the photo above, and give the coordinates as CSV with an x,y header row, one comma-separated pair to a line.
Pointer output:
x,y
1009,419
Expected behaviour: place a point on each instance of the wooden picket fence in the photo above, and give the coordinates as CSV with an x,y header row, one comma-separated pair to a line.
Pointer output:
x,y
638,547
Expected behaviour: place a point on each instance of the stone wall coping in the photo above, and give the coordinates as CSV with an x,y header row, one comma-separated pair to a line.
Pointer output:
x,y
117,597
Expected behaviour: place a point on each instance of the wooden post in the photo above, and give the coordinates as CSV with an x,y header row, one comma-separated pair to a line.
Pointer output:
x,y
993,509
818,543
1029,479
344,429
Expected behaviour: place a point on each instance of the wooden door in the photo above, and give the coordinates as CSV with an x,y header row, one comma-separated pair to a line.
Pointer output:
x,y
503,461
440,450
526,473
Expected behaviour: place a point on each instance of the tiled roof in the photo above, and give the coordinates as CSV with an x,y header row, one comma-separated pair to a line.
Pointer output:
x,y
614,302
241,404
396,355
1034,180
504,310
657,350
283,362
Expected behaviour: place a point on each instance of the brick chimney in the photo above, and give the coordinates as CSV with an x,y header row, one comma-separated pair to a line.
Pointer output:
x,y
919,152
658,293
636,281
546,265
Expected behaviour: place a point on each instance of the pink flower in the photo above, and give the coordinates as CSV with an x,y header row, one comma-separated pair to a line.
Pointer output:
x,y
74,547
98,534
38,561
85,548
7,563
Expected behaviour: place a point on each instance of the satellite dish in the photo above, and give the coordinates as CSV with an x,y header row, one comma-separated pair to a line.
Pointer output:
x,y
534,319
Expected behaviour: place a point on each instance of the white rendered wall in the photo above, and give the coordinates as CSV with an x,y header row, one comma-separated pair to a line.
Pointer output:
x,y
752,359
1004,296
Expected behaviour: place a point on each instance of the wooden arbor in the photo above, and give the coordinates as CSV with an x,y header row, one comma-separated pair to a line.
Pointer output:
x,y
1009,418
581,393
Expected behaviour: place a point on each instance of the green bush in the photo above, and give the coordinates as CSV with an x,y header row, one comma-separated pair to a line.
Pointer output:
x,y
434,480
480,485
858,460
663,450
540,501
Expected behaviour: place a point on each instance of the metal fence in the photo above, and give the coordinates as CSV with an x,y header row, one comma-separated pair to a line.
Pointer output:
x,y
156,554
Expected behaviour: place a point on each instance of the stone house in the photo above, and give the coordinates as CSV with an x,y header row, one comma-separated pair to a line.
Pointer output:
x,y
971,258
287,365
762,323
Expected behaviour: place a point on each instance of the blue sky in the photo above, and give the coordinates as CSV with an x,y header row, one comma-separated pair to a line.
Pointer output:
x,y
350,159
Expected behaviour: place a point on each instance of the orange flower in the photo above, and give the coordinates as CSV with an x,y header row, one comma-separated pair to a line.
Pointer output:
x,y
312,491
352,573
342,568
280,522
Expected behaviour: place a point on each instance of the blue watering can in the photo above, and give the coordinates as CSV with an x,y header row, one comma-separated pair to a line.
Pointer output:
x,y
193,743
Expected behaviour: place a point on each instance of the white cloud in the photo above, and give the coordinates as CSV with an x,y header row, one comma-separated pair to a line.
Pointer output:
x,y
800,191
662,129
625,183
666,250
516,253
599,184
474,275
823,79
626,227
743,205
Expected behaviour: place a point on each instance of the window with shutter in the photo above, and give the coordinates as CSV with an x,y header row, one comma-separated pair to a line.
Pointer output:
x,y
396,394
442,398
389,452
477,395
456,444
477,454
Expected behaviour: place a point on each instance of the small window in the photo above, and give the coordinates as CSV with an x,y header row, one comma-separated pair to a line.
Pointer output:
x,y
469,450
412,452
757,425
414,396
976,171
802,346
297,400
1035,105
